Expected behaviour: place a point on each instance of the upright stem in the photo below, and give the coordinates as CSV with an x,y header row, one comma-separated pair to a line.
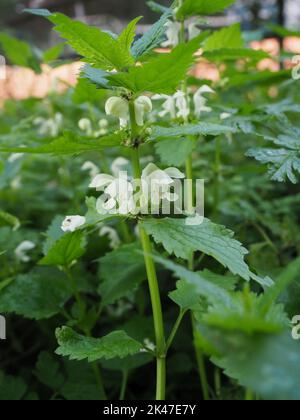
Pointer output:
x,y
152,278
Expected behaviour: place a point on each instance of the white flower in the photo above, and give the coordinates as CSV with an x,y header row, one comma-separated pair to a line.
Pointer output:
x,y
16,183
51,126
22,249
103,125
225,115
118,165
156,185
193,30
85,124
91,167
118,107
200,101
148,346
182,104
117,194
15,156
169,106
71,223
172,33
114,240
142,106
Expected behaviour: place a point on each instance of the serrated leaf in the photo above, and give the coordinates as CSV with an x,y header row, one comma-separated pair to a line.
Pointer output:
x,y
52,54
66,250
215,240
121,271
40,294
96,76
202,7
77,347
98,48
126,38
53,234
152,38
204,129
161,74
70,144
185,295
283,163
232,54
226,38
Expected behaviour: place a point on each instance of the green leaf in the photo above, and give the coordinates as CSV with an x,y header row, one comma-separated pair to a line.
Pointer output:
x,y
215,240
40,294
226,38
121,272
162,74
19,53
269,364
77,347
176,151
66,250
53,234
38,12
96,76
48,371
158,8
127,36
203,129
283,163
70,144
282,31
52,54
227,54
98,48
152,38
202,7
7,219
185,295
11,388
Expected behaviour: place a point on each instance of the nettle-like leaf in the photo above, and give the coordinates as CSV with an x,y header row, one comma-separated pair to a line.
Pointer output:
x,y
53,53
78,347
226,38
268,364
7,219
158,8
66,250
19,53
214,240
70,144
126,38
40,294
201,129
202,7
175,152
97,47
284,163
161,74
121,272
96,76
152,38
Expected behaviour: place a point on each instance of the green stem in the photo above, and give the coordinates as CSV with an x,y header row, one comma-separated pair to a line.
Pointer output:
x,y
125,232
218,384
151,274
123,385
249,395
175,328
76,292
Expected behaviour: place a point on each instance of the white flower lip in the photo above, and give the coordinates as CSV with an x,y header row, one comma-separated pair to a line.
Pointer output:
x,y
22,249
71,223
